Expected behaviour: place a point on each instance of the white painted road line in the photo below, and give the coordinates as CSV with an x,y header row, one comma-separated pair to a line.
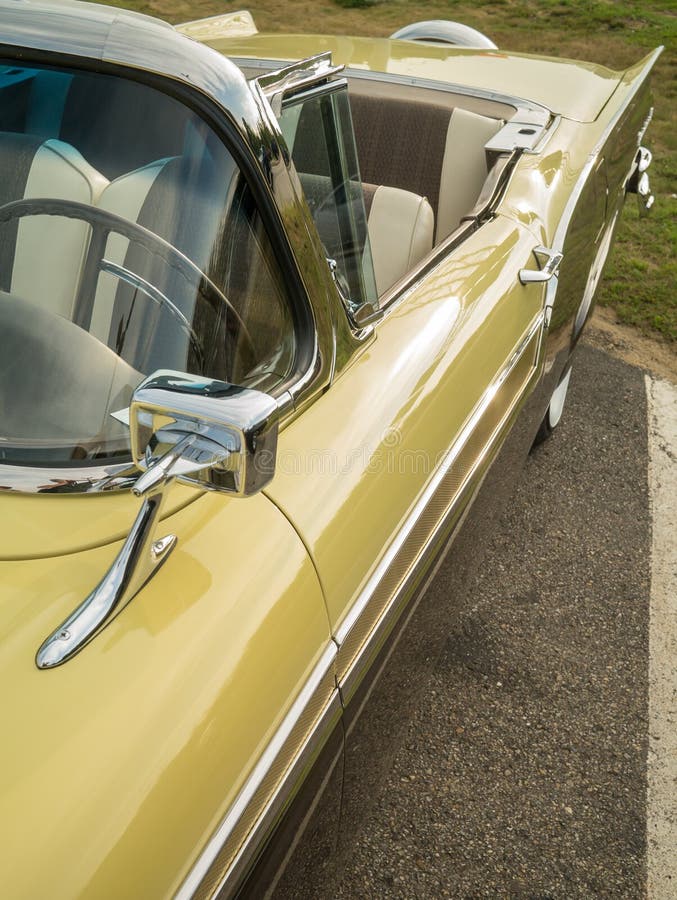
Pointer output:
x,y
662,764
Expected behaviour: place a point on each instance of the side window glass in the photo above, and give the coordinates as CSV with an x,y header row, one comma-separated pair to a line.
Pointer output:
x,y
317,127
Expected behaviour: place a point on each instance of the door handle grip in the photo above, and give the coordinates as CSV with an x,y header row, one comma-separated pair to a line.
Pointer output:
x,y
549,263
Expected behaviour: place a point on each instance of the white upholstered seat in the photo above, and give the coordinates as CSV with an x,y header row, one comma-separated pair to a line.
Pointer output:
x,y
43,255
125,197
464,168
426,148
401,226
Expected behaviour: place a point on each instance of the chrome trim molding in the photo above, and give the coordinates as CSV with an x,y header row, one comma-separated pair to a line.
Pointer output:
x,y
645,125
351,631
520,135
352,327
447,87
295,77
310,749
93,479
243,828
396,617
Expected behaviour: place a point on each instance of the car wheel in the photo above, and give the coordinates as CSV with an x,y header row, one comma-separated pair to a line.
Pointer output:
x,y
555,409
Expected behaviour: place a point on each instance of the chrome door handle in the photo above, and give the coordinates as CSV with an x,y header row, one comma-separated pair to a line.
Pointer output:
x,y
549,262
140,556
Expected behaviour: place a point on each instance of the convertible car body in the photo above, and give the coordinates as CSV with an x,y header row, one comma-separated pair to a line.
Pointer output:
x,y
269,309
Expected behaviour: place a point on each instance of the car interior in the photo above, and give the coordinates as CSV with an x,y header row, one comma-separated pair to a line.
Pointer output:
x,y
421,158
423,164
420,164
82,137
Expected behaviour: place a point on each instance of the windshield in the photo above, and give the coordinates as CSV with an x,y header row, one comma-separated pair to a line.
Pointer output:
x,y
129,242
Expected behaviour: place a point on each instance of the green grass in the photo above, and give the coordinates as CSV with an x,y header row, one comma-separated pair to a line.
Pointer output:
x,y
641,279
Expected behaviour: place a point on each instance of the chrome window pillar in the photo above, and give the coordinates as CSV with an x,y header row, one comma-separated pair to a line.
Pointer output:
x,y
349,331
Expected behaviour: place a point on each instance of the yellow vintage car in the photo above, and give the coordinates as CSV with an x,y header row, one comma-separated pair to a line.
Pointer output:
x,y
270,307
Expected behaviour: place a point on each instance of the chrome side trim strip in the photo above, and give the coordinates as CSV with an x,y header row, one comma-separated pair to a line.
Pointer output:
x,y
351,624
278,802
645,125
396,617
201,881
95,479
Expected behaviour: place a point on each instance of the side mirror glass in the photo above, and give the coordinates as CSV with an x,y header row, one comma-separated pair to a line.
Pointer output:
x,y
206,432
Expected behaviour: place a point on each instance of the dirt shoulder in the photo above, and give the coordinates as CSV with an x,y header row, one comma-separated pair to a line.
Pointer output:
x,y
629,344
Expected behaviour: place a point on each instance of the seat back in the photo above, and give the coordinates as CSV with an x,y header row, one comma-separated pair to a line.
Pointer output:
x,y
41,256
182,200
401,226
426,148
118,125
125,197
401,144
464,168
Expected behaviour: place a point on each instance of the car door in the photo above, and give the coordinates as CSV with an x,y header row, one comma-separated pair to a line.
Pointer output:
x,y
378,471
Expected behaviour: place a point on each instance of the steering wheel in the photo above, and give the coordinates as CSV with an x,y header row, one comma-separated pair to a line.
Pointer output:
x,y
102,224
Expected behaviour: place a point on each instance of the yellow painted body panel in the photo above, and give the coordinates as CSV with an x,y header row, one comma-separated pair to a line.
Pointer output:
x,y
132,751
352,466
570,88
43,525
541,185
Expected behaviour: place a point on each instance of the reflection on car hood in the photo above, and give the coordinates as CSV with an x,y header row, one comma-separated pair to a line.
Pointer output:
x,y
571,88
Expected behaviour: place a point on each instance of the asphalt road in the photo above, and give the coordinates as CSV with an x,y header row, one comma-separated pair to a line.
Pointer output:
x,y
516,765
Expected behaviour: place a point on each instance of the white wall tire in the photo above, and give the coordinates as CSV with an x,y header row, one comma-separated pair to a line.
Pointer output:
x,y
555,409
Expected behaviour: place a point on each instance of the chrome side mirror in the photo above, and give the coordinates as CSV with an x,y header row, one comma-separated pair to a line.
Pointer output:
x,y
205,432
